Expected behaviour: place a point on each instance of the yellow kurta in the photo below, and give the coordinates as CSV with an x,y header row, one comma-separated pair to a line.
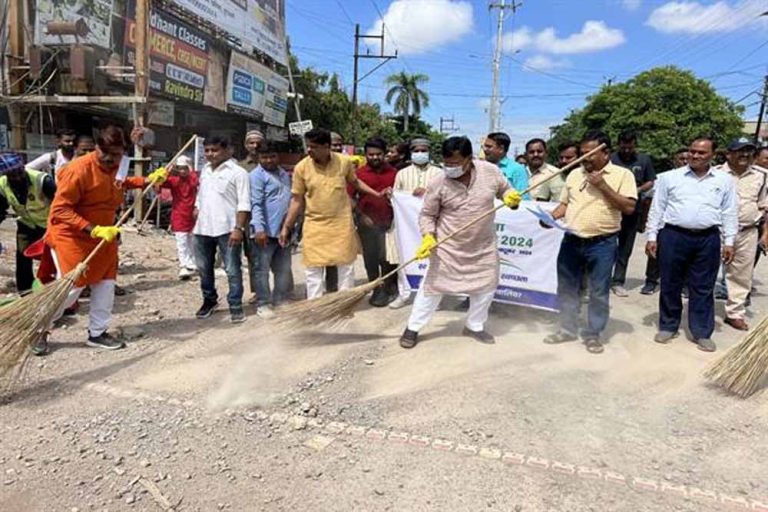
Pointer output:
x,y
329,236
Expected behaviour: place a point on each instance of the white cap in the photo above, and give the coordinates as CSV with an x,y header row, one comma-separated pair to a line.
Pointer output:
x,y
184,161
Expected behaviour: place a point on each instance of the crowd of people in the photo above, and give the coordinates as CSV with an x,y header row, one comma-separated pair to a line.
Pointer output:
x,y
699,220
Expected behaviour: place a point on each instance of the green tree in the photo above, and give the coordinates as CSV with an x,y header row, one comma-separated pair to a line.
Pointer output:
x,y
408,97
666,106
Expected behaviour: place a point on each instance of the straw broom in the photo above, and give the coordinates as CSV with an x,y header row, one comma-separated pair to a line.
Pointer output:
x,y
26,320
334,309
743,369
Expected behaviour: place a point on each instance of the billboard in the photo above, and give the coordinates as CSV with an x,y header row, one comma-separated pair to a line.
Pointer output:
x,y
257,23
97,15
256,91
178,57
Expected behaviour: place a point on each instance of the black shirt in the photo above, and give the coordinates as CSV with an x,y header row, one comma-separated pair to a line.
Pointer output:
x,y
641,166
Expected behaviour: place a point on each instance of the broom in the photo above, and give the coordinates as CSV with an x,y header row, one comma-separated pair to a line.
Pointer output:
x,y
334,309
146,215
26,320
744,367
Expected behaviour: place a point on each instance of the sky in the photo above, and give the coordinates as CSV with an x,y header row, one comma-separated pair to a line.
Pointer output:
x,y
556,52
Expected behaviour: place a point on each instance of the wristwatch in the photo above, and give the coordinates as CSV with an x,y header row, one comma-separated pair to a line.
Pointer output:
x,y
241,228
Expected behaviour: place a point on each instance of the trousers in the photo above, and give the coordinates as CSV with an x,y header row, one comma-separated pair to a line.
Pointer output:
x,y
627,235
316,279
424,306
185,244
739,273
25,236
276,258
206,248
373,239
695,257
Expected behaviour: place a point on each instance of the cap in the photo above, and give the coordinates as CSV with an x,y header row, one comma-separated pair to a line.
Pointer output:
x,y
10,161
184,161
419,141
254,133
741,143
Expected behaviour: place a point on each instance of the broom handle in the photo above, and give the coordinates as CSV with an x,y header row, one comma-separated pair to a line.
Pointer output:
x,y
497,208
149,211
128,212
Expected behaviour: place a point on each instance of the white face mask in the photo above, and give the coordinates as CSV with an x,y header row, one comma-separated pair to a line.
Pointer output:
x,y
420,158
454,172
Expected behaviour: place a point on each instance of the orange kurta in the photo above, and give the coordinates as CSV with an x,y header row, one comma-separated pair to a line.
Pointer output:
x,y
86,193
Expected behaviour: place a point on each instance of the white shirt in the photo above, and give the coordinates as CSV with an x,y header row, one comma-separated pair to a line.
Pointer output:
x,y
223,192
683,199
43,162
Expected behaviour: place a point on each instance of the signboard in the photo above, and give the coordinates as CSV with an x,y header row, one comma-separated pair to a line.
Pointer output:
x,y
300,127
199,154
162,113
178,57
528,252
257,23
256,91
97,15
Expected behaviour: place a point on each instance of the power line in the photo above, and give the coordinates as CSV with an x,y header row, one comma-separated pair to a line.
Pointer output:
x,y
344,11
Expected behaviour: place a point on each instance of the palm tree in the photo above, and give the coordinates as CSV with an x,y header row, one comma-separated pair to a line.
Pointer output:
x,y
407,95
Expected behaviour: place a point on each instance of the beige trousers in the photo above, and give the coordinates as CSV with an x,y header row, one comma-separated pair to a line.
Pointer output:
x,y
738,274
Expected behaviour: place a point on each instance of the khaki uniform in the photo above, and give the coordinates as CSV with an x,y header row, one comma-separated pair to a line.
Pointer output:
x,y
549,191
751,188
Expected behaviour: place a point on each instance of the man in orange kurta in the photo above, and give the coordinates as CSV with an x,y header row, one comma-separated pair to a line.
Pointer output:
x,y
82,214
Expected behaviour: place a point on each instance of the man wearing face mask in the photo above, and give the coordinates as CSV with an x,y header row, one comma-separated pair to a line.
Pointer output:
x,y
411,180
539,170
468,263
374,218
55,160
82,215
592,203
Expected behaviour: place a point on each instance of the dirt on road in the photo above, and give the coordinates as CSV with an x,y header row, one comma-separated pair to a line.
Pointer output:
x,y
206,415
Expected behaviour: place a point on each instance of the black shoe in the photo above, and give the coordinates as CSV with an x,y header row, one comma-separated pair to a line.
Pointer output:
x,y
120,291
409,339
206,309
648,289
236,315
481,336
463,305
379,298
41,348
105,341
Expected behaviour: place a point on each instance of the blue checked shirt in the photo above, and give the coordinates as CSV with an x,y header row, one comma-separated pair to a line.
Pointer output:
x,y
683,199
270,197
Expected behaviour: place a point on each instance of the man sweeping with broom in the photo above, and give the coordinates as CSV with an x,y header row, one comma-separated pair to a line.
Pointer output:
x,y
468,263
82,214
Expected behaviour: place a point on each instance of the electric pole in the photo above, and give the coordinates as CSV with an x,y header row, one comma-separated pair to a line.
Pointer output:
x,y
141,89
447,125
494,119
355,79
16,40
762,111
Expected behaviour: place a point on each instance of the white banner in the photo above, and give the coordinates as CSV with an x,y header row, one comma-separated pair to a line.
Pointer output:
x,y
257,91
528,252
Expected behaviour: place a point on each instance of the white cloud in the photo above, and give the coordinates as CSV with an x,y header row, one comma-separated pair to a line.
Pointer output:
x,y
418,26
594,36
544,63
697,18
631,5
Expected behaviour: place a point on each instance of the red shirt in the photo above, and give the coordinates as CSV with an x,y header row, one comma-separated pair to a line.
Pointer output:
x,y
378,209
184,191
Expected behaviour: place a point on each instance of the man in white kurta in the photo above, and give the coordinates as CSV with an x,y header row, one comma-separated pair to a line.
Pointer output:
x,y
467,264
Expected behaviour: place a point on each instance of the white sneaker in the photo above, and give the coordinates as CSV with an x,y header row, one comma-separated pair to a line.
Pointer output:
x,y
619,291
265,312
184,274
398,303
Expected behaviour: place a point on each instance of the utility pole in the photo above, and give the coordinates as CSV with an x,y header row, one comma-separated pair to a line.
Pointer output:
x,y
762,111
494,117
356,80
141,86
447,125
15,71
296,96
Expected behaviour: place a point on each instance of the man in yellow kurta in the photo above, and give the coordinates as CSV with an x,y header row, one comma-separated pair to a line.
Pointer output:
x,y
320,189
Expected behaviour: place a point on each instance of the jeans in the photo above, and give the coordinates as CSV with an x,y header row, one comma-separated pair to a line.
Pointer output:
x,y
627,235
205,253
278,259
373,240
25,236
596,257
697,257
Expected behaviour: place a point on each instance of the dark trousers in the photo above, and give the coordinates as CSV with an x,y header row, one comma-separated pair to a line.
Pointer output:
x,y
695,257
205,254
276,258
25,236
652,271
331,279
627,235
596,257
373,240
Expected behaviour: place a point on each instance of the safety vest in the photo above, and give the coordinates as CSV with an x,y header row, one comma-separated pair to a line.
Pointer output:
x,y
34,213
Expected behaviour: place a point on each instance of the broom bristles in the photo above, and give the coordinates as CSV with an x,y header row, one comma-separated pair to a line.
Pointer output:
x,y
332,310
742,370
26,320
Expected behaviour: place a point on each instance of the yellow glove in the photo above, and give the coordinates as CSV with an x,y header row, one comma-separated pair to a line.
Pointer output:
x,y
425,249
512,199
108,233
158,176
